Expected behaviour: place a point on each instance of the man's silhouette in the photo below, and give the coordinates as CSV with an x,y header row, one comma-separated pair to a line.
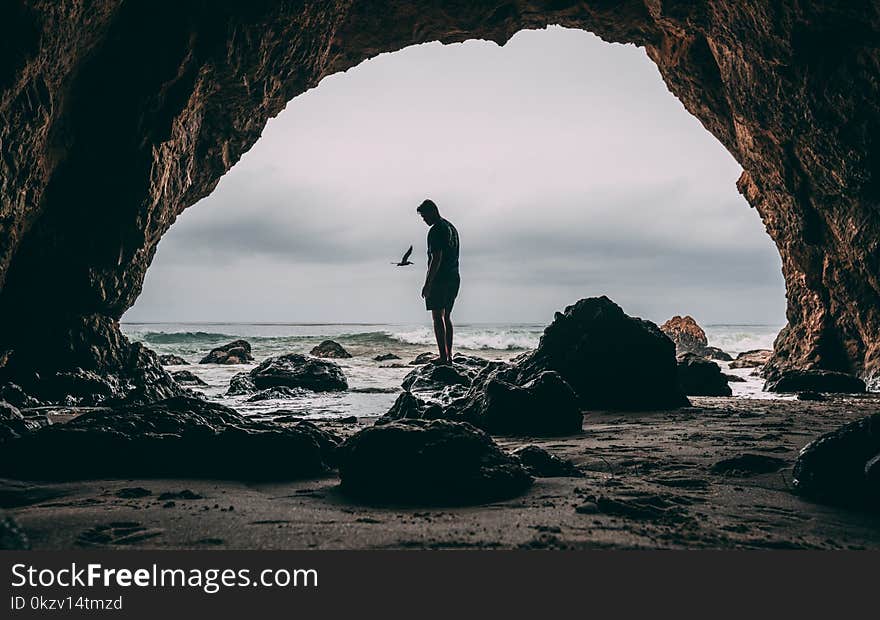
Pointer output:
x,y
442,280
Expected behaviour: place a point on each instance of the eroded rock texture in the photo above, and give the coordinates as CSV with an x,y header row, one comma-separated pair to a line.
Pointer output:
x,y
117,116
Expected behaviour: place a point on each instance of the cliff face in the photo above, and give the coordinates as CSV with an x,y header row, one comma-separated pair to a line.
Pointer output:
x,y
117,116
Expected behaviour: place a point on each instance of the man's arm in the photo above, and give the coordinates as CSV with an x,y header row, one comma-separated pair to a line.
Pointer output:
x,y
433,266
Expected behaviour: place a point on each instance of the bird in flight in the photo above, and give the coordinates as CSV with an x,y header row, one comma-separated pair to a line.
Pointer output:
x,y
405,260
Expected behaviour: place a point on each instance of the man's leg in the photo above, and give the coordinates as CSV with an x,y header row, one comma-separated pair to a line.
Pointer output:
x,y
448,317
439,317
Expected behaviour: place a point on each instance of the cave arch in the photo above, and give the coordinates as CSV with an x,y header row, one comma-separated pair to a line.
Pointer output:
x,y
118,117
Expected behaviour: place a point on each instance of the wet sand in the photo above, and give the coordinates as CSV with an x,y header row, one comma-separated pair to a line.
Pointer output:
x,y
647,483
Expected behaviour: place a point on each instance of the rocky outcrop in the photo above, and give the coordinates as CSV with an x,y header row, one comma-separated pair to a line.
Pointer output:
x,y
385,357
840,467
698,376
756,358
815,381
172,360
88,101
290,371
424,358
180,437
689,337
541,464
235,352
432,462
185,377
12,538
331,350
611,360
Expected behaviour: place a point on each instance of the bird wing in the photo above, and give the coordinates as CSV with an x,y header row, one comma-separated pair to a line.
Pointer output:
x,y
406,256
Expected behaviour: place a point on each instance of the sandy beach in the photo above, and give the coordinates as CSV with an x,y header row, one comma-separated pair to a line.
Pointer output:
x,y
648,482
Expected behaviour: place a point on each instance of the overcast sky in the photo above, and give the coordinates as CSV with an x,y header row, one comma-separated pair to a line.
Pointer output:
x,y
565,163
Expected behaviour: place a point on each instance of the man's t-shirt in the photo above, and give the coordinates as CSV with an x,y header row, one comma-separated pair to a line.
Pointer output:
x,y
443,237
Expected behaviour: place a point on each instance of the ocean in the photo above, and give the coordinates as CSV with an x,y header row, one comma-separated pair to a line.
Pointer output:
x,y
374,385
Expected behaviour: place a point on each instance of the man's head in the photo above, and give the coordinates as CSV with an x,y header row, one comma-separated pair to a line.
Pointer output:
x,y
429,212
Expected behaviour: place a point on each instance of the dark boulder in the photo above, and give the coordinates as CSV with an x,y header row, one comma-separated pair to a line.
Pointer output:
x,y
424,358
436,462
813,396
178,437
384,357
9,412
330,349
698,376
544,406
235,352
13,424
433,377
298,371
733,378
744,465
172,360
611,360
241,384
826,381
290,371
16,396
840,467
541,464
714,353
185,377
756,358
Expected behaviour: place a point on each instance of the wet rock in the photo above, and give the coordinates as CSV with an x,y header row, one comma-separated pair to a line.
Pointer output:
x,y
745,465
172,360
13,424
432,377
330,349
714,353
436,462
826,381
298,371
12,537
276,393
185,494
840,467
185,377
544,406
178,437
235,352
424,358
755,358
290,371
733,378
385,357
698,376
241,383
541,464
611,360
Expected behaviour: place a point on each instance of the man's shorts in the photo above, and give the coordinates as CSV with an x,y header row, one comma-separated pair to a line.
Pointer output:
x,y
443,293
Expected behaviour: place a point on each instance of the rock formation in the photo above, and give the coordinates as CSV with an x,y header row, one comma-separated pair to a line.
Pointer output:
x,y
756,358
290,371
179,437
330,349
698,376
611,360
107,137
840,467
690,338
428,462
235,352
172,360
815,381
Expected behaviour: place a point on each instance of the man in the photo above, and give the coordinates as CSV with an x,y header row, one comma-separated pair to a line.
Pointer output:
x,y
442,280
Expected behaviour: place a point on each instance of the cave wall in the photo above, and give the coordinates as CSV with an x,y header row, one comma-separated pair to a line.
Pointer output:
x,y
117,116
